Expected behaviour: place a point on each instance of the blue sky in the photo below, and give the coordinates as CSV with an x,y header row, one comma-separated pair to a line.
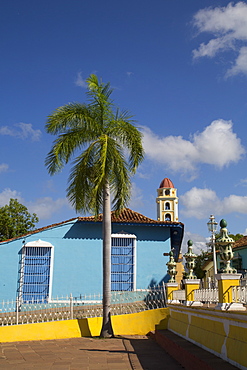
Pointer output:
x,y
180,67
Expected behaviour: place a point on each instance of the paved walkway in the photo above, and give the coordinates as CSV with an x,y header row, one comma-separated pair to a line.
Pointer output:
x,y
121,353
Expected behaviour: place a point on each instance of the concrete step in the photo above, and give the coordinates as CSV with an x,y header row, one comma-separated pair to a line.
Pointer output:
x,y
189,355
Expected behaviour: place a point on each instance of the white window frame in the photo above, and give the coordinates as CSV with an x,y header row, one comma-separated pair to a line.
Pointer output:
x,y
36,244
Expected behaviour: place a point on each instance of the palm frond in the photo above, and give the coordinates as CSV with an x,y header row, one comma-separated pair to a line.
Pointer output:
x,y
121,184
130,137
102,138
102,161
93,83
69,116
87,179
98,87
99,96
66,144
81,180
117,174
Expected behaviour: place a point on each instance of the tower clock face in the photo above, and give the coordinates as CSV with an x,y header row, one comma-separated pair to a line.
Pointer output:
x,y
167,192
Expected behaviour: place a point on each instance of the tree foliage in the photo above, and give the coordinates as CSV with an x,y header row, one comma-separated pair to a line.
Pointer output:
x,y
15,220
206,256
199,262
236,237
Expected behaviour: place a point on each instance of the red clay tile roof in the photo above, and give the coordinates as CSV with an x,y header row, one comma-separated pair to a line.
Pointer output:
x,y
127,215
242,242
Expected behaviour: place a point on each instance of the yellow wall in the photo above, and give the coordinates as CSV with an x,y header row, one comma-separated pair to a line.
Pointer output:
x,y
138,323
51,330
39,331
222,333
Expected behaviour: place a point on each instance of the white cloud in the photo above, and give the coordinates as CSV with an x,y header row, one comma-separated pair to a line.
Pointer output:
x,y
211,144
172,151
199,203
199,242
144,175
28,131
235,203
43,207
136,197
4,167
240,63
46,207
80,81
24,131
213,47
243,182
6,194
208,146
5,130
228,26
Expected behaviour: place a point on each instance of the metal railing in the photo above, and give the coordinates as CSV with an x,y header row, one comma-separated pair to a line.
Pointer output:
x,y
65,308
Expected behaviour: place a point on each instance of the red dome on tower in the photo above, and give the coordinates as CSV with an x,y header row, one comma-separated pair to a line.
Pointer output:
x,y
166,183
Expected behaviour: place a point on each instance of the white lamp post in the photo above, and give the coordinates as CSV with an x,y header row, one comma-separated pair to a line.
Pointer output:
x,y
212,227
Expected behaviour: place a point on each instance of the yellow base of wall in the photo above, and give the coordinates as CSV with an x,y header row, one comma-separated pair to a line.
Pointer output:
x,y
140,323
222,333
40,331
133,324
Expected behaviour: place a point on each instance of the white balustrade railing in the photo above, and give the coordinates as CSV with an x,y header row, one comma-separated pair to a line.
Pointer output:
x,y
178,295
206,295
239,294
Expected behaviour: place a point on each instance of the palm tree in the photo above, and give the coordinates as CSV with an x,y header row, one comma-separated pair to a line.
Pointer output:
x,y
106,149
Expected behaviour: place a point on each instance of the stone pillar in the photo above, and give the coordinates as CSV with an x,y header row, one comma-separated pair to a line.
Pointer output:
x,y
170,288
229,277
171,285
191,282
190,286
225,282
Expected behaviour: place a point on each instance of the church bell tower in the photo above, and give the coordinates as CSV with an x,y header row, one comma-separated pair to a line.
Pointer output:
x,y
167,201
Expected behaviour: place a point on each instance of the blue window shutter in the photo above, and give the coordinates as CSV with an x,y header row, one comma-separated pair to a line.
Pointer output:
x,y
36,274
122,264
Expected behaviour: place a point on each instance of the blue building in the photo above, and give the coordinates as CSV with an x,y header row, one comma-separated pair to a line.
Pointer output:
x,y
66,257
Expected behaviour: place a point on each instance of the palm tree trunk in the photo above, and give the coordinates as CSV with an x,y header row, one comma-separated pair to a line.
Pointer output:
x,y
106,330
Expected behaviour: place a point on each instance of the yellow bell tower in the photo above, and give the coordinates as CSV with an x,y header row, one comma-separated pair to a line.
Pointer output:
x,y
167,201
